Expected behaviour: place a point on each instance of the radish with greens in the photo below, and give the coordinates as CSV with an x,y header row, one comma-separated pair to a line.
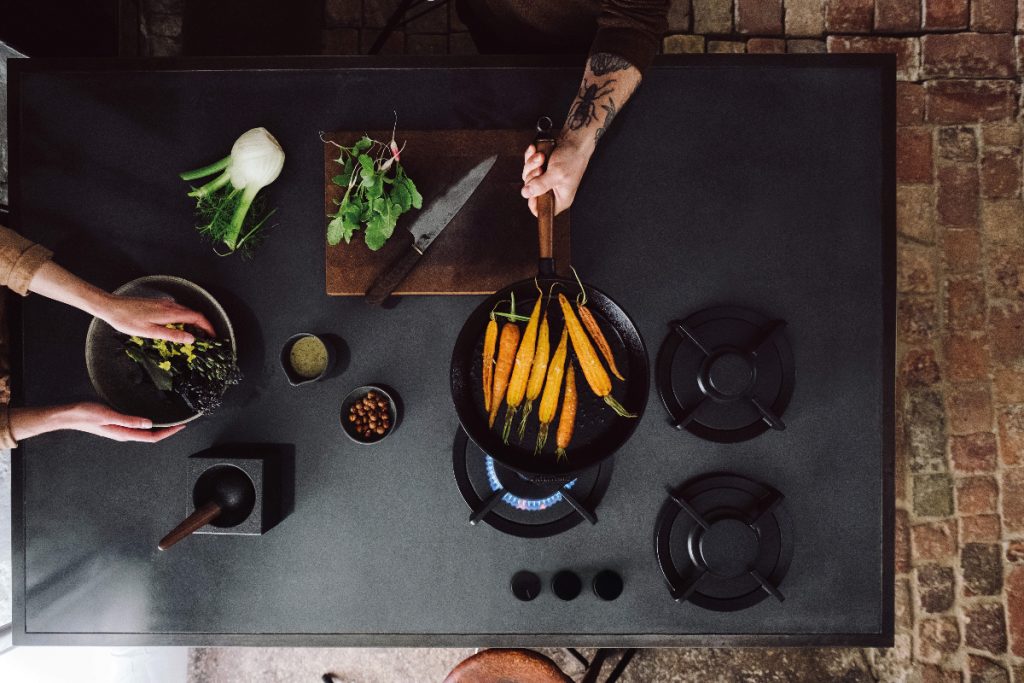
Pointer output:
x,y
377,192
225,204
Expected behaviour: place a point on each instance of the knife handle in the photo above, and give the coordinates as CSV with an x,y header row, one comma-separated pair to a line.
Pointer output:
x,y
546,208
392,276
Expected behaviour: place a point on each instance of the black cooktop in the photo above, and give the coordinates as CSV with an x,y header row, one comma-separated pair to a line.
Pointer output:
x,y
740,210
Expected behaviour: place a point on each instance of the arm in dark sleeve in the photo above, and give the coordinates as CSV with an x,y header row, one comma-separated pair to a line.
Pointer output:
x,y
631,29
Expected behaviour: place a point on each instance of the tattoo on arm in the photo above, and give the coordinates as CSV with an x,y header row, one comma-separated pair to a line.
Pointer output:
x,y
610,112
584,108
603,63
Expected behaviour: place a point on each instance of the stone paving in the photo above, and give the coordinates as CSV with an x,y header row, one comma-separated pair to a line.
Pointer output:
x,y
960,355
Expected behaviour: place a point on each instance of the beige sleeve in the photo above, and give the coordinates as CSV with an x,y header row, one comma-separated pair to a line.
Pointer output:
x,y
20,258
6,437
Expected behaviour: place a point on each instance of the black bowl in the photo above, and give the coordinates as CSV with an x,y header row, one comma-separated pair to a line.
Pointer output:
x,y
119,380
357,394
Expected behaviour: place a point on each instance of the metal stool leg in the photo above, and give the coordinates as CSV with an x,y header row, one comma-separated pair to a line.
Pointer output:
x,y
398,19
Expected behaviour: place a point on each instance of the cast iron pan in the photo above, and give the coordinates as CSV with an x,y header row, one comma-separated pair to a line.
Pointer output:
x,y
599,432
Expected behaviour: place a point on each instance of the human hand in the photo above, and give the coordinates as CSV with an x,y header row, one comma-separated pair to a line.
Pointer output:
x,y
92,418
149,318
563,175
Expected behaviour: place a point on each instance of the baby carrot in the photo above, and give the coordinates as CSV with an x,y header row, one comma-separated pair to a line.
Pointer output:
x,y
521,371
567,420
599,381
587,318
490,342
503,368
537,372
552,387
594,329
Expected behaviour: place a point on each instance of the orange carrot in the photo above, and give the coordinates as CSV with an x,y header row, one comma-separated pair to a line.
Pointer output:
x,y
507,346
587,318
567,420
593,371
490,342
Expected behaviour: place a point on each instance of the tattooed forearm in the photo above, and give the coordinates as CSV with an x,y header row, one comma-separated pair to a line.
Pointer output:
x,y
602,63
610,112
584,108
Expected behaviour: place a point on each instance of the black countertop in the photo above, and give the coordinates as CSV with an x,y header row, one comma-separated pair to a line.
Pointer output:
x,y
760,181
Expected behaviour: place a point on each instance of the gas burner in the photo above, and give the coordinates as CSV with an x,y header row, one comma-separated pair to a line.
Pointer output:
x,y
723,542
726,374
522,506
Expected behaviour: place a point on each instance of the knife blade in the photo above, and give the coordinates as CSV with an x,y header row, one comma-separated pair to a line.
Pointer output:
x,y
425,229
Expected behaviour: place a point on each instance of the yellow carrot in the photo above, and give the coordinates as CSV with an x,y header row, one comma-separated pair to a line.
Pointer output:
x,y
503,368
537,372
595,374
521,370
490,343
552,387
567,420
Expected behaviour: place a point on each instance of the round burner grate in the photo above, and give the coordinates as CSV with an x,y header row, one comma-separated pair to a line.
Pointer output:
x,y
514,504
726,374
723,542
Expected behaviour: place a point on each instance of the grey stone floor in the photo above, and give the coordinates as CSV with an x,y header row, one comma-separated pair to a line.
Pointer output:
x,y
357,665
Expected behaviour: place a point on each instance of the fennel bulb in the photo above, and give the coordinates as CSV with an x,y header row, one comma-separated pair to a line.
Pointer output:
x,y
224,203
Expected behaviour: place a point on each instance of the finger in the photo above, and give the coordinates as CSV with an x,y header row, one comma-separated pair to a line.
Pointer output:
x,y
140,435
532,164
530,151
196,319
114,418
180,314
538,186
532,203
155,331
532,174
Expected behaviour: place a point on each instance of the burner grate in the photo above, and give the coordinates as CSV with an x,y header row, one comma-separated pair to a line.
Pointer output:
x,y
726,374
522,506
723,542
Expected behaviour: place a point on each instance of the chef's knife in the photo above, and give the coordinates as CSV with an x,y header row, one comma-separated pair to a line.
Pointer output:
x,y
425,229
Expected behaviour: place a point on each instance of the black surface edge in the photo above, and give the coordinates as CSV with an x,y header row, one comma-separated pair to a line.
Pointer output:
x,y
455,640
19,616
887,75
885,64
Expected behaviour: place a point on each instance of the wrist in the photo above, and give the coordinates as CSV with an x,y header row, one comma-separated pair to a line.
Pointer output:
x,y
28,422
578,144
96,302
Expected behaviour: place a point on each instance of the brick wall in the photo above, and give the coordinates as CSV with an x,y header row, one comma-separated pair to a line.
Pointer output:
x,y
960,402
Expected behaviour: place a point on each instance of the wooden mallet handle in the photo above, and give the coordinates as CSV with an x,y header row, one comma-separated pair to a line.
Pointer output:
x,y
197,520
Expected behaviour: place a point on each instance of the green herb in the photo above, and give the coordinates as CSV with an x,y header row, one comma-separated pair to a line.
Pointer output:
x,y
199,372
377,192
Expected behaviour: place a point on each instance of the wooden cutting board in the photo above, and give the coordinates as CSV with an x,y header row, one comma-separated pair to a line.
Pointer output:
x,y
491,242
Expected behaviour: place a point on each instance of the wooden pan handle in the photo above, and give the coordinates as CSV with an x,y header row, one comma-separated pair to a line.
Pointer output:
x,y
197,520
546,208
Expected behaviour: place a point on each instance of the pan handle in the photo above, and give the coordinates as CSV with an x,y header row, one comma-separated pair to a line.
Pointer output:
x,y
545,144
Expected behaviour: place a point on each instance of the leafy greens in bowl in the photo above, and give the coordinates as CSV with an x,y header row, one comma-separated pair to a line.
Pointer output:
x,y
129,376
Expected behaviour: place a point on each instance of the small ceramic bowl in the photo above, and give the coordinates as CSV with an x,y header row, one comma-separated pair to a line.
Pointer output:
x,y
294,378
358,394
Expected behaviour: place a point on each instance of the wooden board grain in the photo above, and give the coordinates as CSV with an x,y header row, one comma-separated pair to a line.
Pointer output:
x,y
490,243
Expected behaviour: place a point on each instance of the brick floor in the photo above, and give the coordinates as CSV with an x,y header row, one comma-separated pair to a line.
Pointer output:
x,y
960,347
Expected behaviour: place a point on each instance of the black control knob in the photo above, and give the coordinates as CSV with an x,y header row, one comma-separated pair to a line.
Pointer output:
x,y
607,585
566,585
525,585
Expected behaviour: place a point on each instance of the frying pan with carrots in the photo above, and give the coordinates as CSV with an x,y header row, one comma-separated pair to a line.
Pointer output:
x,y
599,430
